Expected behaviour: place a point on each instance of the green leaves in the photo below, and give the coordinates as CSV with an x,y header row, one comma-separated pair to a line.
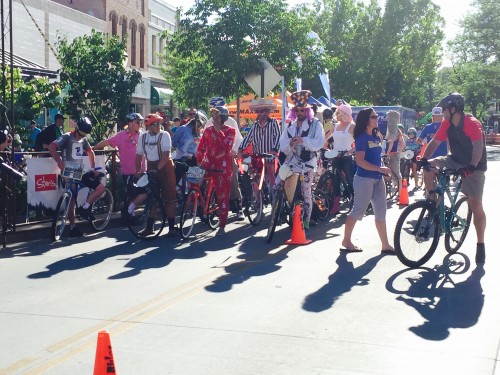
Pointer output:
x,y
99,86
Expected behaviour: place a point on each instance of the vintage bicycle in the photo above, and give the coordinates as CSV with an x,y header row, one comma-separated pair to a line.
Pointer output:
x,y
421,224
201,201
101,212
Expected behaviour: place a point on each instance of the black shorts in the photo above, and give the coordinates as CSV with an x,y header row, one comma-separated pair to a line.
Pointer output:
x,y
90,180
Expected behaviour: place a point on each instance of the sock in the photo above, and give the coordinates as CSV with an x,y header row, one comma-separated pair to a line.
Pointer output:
x,y
86,205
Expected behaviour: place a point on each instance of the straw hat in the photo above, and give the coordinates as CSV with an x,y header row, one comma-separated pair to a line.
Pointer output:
x,y
262,103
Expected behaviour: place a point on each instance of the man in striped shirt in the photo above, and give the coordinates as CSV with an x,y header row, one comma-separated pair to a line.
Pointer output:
x,y
264,135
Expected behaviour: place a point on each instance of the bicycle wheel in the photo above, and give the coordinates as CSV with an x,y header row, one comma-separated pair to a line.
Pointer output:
x,y
391,185
148,220
275,215
321,206
188,215
325,184
459,222
102,209
60,215
417,234
254,208
213,214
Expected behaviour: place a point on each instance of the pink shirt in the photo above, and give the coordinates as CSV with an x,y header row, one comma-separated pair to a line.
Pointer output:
x,y
127,145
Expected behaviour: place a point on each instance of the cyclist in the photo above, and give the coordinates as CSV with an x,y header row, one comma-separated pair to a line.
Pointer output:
x,y
126,142
155,146
465,137
214,154
411,144
343,140
74,147
430,130
299,142
264,135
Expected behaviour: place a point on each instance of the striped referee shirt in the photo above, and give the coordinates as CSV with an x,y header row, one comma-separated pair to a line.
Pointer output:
x,y
264,139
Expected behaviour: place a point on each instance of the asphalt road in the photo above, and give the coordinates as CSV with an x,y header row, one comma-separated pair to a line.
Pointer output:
x,y
237,305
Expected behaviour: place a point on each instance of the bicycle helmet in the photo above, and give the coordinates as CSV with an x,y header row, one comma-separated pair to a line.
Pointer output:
x,y
454,100
84,125
134,116
223,112
218,101
400,126
152,118
412,131
328,113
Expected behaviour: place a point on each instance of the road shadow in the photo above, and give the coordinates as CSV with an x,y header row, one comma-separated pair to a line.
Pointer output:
x,y
442,302
339,283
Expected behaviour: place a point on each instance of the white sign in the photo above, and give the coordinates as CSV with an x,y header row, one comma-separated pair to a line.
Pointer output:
x,y
143,89
271,79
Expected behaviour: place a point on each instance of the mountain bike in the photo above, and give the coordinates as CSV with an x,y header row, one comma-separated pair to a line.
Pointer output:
x,y
201,201
101,211
421,224
148,218
287,196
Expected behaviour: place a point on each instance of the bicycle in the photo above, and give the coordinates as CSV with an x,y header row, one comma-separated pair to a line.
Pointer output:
x,y
391,181
327,180
201,189
421,224
287,196
254,189
151,210
101,211
406,168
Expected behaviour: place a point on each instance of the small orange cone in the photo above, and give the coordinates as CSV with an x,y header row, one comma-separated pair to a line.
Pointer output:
x,y
104,362
298,233
403,195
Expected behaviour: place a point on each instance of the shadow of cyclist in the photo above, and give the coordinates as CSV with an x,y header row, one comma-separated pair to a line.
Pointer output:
x,y
443,303
340,282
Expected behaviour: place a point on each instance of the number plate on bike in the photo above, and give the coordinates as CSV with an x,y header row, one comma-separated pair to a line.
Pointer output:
x,y
195,174
73,170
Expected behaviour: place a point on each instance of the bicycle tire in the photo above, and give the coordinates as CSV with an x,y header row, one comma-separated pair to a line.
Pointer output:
x,y
325,184
320,204
254,209
459,224
138,223
102,209
213,219
417,233
60,215
188,215
391,186
275,215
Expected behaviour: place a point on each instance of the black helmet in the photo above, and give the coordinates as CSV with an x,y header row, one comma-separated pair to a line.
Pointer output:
x,y
328,113
455,100
83,124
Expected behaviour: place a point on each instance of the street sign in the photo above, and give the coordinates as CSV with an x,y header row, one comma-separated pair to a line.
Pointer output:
x,y
271,79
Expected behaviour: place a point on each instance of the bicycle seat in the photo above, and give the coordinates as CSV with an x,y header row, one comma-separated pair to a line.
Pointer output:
x,y
143,181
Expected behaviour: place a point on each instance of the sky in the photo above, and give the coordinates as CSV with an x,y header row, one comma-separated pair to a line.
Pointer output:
x,y
455,10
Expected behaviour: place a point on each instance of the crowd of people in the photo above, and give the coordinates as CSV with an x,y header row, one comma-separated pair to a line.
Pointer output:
x,y
453,139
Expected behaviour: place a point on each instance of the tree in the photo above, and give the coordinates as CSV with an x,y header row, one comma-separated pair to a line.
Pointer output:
x,y
99,85
219,42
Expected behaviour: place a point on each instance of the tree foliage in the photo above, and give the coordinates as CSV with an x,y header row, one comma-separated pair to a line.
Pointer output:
x,y
219,42
98,84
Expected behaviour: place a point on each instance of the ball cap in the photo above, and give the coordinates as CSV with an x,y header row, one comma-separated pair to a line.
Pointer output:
x,y
437,111
58,116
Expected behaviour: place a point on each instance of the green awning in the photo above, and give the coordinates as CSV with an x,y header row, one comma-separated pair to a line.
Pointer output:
x,y
161,96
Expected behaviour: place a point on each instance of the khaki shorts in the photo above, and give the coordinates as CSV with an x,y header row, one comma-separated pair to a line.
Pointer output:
x,y
472,186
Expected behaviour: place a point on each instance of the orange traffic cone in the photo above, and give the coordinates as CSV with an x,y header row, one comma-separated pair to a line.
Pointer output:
x,y
104,362
298,233
403,194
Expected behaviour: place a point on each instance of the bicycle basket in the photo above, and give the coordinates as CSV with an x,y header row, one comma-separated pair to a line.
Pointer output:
x,y
195,175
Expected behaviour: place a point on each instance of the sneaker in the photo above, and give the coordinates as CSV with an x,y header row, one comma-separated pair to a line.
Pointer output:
x,y
240,216
75,232
85,213
480,254
221,232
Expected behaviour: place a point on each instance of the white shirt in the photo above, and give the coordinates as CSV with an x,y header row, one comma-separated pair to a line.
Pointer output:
x,y
231,122
150,148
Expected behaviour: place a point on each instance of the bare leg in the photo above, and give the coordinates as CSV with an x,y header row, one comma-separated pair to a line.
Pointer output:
x,y
479,217
382,233
348,228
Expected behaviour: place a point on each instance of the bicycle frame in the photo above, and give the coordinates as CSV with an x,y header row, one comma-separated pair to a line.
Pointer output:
x,y
204,198
442,188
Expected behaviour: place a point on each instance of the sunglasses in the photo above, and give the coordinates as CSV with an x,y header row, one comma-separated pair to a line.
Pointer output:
x,y
155,124
300,110
261,110
374,117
